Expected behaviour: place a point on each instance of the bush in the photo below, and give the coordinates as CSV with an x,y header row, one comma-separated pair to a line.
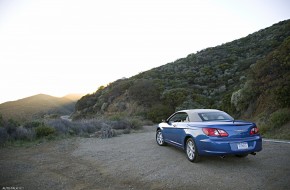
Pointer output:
x,y
11,127
87,126
135,123
125,123
81,127
61,126
174,97
1,121
107,131
116,117
121,124
138,122
281,94
3,135
24,134
270,126
279,118
126,131
33,124
159,112
145,91
44,131
242,98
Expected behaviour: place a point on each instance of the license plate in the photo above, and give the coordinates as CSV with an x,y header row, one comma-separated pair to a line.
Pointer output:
x,y
243,145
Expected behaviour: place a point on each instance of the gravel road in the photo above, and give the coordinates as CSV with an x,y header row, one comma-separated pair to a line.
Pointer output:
x,y
135,161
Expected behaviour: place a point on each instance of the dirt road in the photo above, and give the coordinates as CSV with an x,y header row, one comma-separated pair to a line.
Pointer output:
x,y
135,161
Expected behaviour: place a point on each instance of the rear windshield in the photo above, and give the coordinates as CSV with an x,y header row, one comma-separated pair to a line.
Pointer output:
x,y
215,116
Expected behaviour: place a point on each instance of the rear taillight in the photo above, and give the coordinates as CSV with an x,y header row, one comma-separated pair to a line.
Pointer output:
x,y
215,132
254,131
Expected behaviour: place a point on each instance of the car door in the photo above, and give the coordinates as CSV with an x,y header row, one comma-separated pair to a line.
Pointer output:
x,y
174,131
167,130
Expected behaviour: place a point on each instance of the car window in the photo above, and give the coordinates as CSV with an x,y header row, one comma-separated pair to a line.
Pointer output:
x,y
179,117
214,116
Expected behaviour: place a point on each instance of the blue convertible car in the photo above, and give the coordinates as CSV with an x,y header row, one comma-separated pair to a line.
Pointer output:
x,y
204,132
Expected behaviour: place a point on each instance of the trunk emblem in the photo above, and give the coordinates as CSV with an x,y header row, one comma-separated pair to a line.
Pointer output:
x,y
240,130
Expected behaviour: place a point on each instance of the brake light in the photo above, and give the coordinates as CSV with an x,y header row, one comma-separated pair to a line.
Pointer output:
x,y
215,132
254,131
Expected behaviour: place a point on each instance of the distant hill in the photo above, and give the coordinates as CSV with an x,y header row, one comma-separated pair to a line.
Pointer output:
x,y
248,78
38,106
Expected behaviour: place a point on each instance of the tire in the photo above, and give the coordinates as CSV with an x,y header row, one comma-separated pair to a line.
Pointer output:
x,y
241,155
191,150
159,138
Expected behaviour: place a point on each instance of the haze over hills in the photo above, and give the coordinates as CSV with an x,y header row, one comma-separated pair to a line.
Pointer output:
x,y
73,97
248,78
37,106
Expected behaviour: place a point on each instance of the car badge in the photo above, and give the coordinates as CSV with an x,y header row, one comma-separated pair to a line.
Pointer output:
x,y
240,130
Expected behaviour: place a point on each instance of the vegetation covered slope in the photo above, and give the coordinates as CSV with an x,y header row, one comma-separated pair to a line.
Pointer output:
x,y
37,106
247,77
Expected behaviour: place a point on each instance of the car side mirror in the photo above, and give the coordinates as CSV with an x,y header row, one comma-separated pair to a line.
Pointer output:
x,y
165,121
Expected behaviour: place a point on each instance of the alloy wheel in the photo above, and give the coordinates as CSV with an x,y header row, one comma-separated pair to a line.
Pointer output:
x,y
159,138
190,150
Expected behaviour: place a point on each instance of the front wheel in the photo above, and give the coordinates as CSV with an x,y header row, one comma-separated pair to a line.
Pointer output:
x,y
191,151
159,138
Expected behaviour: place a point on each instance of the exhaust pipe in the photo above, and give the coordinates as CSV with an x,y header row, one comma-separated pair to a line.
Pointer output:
x,y
253,153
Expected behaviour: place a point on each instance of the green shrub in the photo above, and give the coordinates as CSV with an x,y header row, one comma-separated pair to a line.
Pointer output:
x,y
145,91
116,117
281,94
33,124
174,97
263,128
279,118
127,131
159,112
44,131
135,123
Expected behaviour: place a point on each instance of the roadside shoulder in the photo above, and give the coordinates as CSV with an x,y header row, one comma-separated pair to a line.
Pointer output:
x,y
276,141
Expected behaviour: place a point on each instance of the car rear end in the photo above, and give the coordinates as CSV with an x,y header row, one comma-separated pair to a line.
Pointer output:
x,y
226,138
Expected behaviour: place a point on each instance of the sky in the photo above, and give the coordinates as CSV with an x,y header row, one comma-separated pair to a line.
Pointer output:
x,y
58,47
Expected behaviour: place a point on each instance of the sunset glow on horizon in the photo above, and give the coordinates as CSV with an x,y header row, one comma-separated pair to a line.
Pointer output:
x,y
59,47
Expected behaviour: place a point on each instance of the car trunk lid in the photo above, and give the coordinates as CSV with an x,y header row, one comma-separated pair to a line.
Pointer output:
x,y
235,129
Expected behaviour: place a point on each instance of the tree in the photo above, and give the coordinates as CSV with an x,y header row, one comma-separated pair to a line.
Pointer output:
x,y
174,97
145,91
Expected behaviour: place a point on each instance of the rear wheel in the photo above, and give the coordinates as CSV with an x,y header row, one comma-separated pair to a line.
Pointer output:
x,y
191,151
159,138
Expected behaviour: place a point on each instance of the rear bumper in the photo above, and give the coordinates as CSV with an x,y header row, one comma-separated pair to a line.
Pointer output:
x,y
221,147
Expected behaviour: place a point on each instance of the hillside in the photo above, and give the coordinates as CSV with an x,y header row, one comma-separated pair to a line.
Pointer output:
x,y
37,106
248,78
